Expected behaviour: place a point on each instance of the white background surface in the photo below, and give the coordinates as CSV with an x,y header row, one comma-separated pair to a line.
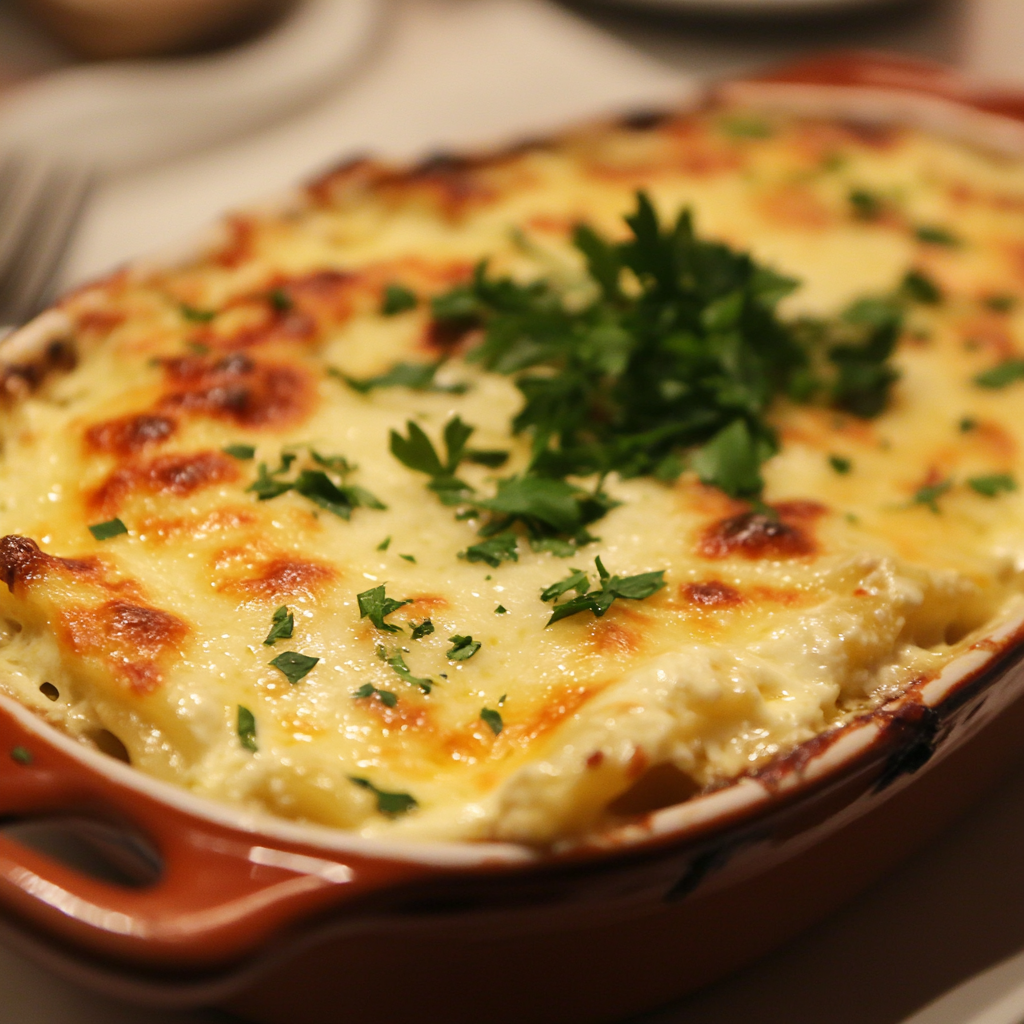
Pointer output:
x,y
941,941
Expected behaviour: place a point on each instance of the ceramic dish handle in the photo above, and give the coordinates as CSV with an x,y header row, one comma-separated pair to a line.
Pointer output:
x,y
220,893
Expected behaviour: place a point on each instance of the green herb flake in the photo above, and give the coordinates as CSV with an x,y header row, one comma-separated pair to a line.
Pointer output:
x,y
999,303
967,424
197,316
502,547
929,495
992,485
501,610
634,588
283,624
840,463
1000,376
397,665
463,647
375,605
294,666
390,804
933,234
386,697
397,299
919,287
384,544
22,755
493,720
865,205
246,728
408,558
111,528
415,376
242,452
280,301
425,628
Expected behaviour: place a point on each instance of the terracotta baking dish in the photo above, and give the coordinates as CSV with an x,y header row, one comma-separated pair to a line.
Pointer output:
x,y
288,923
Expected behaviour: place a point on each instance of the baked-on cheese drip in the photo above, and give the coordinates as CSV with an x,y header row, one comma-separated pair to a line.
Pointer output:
x,y
885,543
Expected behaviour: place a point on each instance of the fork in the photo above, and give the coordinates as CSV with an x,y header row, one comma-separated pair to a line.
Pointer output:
x,y
42,200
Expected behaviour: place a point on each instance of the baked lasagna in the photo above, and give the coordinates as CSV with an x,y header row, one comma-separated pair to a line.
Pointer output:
x,y
513,497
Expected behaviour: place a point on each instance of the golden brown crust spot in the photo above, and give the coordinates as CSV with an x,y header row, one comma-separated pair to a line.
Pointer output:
x,y
240,246
178,474
20,379
796,206
132,639
22,562
280,577
759,535
196,527
610,637
238,388
710,594
129,435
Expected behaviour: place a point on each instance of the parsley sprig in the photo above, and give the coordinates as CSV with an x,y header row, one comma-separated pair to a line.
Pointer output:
x,y
326,486
634,588
375,605
680,352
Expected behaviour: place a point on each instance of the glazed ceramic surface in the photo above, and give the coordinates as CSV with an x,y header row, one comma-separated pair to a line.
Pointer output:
x,y
284,922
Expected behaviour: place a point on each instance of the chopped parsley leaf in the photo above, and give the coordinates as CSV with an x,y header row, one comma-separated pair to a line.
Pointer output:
x,y
918,286
559,548
22,755
408,558
397,664
492,720
1004,373
283,624
967,424
425,628
1000,303
387,698
463,647
634,588
294,666
418,453
246,728
280,300
197,316
840,463
375,605
397,299
242,452
490,457
384,544
501,610
865,205
933,234
415,376
992,485
502,699
387,803
111,528
502,547
316,485
930,494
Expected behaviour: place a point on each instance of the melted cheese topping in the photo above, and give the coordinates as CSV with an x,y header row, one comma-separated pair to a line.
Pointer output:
x,y
761,639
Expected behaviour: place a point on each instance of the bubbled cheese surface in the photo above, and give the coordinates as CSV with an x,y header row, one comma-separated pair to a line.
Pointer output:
x,y
155,637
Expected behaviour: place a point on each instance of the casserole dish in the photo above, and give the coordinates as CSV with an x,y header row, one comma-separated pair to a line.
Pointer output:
x,y
282,921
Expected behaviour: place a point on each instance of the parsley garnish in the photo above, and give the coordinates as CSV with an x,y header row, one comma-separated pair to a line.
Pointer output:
x,y
242,452
416,376
384,544
425,628
495,550
111,528
501,610
197,316
397,299
929,495
294,666
408,558
840,463
397,664
933,234
376,606
919,287
387,698
22,755
493,720
417,452
280,301
316,485
387,803
463,647
680,349
247,729
1000,303
1006,372
283,624
866,205
992,485
634,588
967,424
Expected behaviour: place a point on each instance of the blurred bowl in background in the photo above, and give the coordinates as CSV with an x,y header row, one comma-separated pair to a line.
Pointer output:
x,y
134,28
